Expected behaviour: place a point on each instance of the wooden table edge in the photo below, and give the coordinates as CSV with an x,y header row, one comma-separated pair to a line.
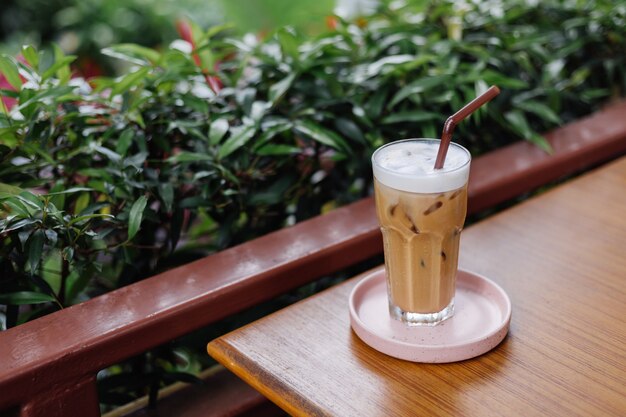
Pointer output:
x,y
231,359
248,371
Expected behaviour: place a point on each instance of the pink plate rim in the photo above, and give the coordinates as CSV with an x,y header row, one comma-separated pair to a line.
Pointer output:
x,y
466,349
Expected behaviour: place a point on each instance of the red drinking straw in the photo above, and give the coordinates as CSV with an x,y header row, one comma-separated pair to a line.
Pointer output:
x,y
453,120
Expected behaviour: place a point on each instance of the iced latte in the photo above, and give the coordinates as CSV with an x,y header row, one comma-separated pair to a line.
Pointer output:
x,y
421,212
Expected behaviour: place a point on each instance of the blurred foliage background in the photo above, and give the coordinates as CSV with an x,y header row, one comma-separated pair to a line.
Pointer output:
x,y
83,27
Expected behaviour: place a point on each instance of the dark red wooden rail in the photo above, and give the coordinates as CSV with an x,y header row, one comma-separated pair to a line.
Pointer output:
x,y
48,366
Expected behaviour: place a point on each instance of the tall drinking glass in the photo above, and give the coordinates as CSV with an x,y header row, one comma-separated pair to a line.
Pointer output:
x,y
421,212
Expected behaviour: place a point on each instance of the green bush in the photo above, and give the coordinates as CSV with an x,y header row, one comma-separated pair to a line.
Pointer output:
x,y
111,180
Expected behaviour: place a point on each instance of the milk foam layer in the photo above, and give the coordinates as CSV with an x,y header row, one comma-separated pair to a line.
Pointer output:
x,y
408,165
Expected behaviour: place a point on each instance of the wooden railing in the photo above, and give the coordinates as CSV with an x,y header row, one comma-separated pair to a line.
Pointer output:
x,y
48,366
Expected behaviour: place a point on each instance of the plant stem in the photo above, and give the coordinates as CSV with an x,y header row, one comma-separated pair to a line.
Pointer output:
x,y
65,271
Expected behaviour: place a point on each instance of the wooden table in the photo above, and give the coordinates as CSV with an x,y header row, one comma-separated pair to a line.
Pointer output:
x,y
560,256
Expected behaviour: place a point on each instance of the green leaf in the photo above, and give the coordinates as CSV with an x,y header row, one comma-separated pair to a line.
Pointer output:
x,y
22,235
68,253
579,76
51,237
349,129
195,103
31,56
214,30
31,200
194,202
133,53
22,223
239,137
96,173
321,135
85,217
8,68
7,136
50,280
77,281
57,199
274,194
63,72
595,93
278,90
519,123
55,92
207,60
418,86
135,216
92,208
25,297
98,245
271,149
189,157
541,110
136,160
61,64
128,81
82,202
495,78
166,191
70,191
258,110
124,142
217,131
113,156
271,131
17,207
540,141
51,268
410,116
480,86
374,106
288,43
10,189
35,250
377,67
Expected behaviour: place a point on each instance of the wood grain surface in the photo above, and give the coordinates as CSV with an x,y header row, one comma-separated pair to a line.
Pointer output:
x,y
560,256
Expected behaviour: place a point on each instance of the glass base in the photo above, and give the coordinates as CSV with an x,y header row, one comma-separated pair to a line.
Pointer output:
x,y
421,319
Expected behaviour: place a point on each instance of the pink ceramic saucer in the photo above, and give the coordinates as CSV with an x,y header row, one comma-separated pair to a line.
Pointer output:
x,y
480,322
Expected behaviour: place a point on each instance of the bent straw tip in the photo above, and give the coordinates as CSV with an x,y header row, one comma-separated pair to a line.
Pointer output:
x,y
451,122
